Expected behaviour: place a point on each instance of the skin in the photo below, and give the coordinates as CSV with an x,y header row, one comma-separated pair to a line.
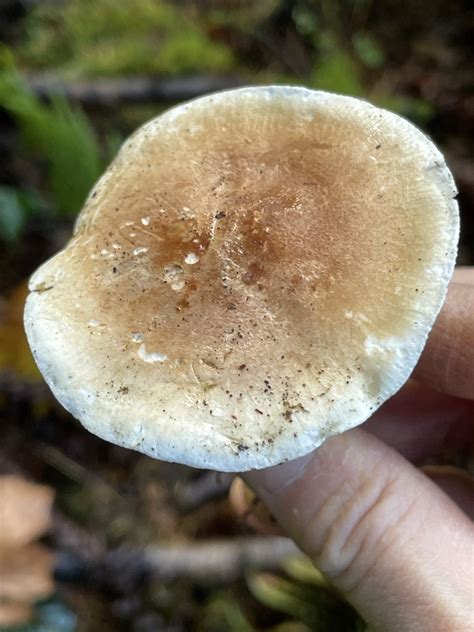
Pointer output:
x,y
397,541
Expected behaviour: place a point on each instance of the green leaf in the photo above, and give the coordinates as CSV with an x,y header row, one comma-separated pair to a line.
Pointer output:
x,y
288,598
305,20
302,569
12,215
16,207
337,72
50,616
291,626
319,607
73,152
418,110
6,58
224,613
62,136
368,50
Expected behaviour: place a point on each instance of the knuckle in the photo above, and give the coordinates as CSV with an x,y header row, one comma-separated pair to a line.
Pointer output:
x,y
353,528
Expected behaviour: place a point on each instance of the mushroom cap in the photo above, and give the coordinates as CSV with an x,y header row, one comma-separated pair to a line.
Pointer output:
x,y
256,271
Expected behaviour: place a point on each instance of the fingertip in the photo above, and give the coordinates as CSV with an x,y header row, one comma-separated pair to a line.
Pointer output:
x,y
274,480
447,362
464,275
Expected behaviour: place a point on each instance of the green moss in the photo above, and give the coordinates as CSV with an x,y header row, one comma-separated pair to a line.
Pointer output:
x,y
417,110
335,67
368,50
105,37
337,72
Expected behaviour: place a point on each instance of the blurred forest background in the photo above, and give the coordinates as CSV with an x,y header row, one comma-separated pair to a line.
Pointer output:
x,y
94,537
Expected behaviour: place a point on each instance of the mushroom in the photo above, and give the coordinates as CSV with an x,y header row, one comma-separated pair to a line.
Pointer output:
x,y
256,271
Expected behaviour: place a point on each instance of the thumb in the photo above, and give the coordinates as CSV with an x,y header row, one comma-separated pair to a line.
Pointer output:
x,y
386,536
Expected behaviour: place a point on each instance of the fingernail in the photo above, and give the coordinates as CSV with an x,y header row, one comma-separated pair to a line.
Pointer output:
x,y
273,480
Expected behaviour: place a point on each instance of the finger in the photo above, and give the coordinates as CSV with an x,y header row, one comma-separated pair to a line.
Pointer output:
x,y
420,423
464,274
388,538
447,362
456,483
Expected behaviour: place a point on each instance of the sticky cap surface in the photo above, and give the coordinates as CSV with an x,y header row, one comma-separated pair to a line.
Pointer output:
x,y
256,271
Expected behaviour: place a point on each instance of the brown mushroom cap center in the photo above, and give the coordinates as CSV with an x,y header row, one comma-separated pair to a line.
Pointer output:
x,y
248,233
256,271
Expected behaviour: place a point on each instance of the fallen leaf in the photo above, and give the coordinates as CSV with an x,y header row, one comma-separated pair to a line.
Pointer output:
x,y
26,574
25,511
13,613
252,511
15,354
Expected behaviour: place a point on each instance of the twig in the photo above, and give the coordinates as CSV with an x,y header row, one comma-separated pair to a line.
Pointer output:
x,y
74,470
110,92
83,559
218,561
205,562
192,494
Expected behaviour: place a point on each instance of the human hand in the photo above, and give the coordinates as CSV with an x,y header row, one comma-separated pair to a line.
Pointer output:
x,y
398,544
